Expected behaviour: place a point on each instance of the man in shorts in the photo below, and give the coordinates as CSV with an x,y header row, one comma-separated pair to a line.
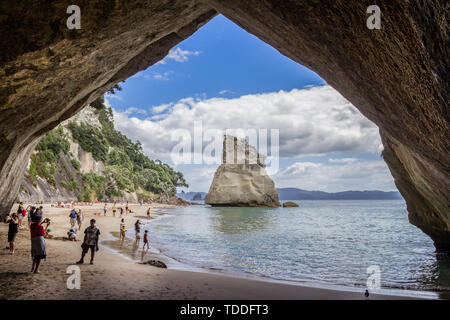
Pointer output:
x,y
91,236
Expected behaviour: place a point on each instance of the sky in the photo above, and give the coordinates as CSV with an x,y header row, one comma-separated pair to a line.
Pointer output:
x,y
225,78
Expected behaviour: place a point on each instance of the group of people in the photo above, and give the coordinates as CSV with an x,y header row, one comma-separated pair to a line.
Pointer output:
x,y
137,229
37,232
114,210
91,234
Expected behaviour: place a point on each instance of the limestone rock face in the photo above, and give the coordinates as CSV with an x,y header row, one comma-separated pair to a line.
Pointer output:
x,y
396,76
241,180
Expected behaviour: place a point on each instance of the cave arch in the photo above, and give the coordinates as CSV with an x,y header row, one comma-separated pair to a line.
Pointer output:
x,y
396,76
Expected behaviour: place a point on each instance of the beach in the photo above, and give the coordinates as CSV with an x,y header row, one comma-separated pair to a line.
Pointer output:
x,y
115,276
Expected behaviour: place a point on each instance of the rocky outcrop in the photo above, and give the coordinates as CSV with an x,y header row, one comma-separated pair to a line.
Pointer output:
x,y
67,182
396,76
48,73
241,179
289,204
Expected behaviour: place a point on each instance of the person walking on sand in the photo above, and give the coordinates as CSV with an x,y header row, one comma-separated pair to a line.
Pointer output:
x,y
105,208
126,208
91,236
80,218
122,232
148,214
137,228
146,240
13,229
73,217
38,246
121,212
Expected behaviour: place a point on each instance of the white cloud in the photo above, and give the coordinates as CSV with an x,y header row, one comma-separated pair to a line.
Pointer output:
x,y
160,108
135,110
179,55
162,76
342,160
311,121
361,175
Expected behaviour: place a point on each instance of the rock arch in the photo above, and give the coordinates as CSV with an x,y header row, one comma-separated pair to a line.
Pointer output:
x,y
396,76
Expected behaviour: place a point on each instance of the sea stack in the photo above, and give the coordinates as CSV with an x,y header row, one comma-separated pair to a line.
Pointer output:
x,y
241,180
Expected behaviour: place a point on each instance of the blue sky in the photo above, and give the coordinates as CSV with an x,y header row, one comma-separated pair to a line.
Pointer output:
x,y
227,78
228,58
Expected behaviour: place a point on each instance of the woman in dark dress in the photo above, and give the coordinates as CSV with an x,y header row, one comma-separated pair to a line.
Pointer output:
x,y
12,231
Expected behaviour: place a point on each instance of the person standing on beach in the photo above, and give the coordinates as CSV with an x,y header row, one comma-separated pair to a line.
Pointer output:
x,y
146,240
121,212
126,208
105,208
91,237
122,232
137,228
31,214
13,229
79,219
148,214
38,245
73,217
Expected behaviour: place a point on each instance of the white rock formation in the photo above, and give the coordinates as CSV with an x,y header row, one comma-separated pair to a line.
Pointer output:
x,y
241,179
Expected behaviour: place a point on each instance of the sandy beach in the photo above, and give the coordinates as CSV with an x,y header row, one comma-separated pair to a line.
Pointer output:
x,y
114,276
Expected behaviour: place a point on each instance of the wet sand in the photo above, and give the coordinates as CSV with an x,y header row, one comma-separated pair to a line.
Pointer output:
x,y
114,276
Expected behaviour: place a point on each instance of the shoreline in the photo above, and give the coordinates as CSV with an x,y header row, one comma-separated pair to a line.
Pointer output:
x,y
239,274
115,277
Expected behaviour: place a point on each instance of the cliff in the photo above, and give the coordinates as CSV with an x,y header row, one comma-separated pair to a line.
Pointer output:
x,y
85,159
241,179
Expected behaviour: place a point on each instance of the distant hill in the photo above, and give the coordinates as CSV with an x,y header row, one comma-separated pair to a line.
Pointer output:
x,y
299,194
188,196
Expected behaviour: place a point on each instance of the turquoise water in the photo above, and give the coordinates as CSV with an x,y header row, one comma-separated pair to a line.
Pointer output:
x,y
329,242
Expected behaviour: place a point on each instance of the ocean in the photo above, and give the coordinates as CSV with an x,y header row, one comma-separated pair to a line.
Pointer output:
x,y
331,242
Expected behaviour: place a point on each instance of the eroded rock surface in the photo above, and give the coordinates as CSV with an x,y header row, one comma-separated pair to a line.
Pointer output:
x,y
396,76
241,179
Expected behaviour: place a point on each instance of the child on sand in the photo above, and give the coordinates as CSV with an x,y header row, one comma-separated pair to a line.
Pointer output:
x,y
146,240
72,235
148,214
38,247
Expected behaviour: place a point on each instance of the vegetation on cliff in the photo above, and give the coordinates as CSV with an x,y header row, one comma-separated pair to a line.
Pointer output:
x,y
126,167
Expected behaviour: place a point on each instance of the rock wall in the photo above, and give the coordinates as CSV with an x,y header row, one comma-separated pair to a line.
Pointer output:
x,y
39,190
396,76
241,179
48,72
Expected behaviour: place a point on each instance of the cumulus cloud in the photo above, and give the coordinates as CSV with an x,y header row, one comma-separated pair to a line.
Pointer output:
x,y
311,121
179,55
360,175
